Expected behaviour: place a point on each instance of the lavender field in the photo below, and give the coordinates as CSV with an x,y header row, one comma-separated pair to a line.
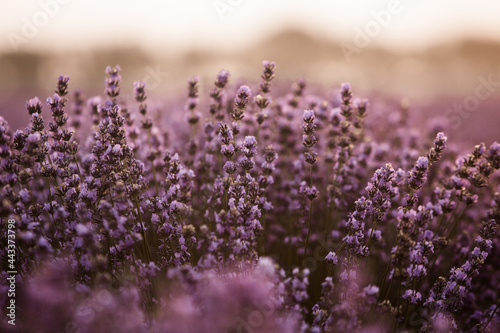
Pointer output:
x,y
249,206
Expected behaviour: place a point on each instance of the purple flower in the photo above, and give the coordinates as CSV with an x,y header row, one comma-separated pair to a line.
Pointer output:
x,y
412,296
240,101
140,91
494,155
222,79
164,225
308,116
418,175
34,105
332,258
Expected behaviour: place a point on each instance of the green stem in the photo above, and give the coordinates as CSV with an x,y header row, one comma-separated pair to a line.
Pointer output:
x,y
143,233
334,183
440,223
491,316
311,175
152,164
455,223
374,225
408,206
77,166
409,306
310,207
246,183
308,227
327,211
384,278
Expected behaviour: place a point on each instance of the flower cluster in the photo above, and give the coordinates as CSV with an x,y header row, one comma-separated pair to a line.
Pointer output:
x,y
285,210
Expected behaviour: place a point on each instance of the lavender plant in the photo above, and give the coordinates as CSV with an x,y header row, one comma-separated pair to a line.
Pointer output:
x,y
286,212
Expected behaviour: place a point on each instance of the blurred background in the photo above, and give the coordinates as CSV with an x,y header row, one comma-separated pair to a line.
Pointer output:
x,y
442,56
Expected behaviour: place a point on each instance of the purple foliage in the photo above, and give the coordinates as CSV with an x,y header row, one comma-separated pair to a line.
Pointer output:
x,y
266,211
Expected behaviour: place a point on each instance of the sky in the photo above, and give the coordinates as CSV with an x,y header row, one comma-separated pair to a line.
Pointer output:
x,y
60,25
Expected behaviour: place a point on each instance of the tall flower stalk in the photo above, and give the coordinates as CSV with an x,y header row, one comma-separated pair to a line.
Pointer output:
x,y
309,140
